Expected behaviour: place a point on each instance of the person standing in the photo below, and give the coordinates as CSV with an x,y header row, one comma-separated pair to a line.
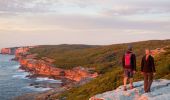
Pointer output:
x,y
147,70
129,67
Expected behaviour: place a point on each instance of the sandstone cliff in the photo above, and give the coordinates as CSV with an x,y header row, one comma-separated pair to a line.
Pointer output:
x,y
45,67
10,51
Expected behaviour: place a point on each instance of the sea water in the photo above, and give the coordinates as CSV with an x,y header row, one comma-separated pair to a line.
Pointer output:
x,y
13,81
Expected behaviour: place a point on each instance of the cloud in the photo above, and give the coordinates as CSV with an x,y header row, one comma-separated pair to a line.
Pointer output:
x,y
130,7
83,21
110,7
24,6
85,15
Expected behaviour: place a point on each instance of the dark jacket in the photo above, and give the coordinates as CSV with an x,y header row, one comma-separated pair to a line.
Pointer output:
x,y
148,65
133,61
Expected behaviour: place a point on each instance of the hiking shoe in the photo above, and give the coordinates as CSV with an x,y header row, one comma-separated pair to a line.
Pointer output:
x,y
131,87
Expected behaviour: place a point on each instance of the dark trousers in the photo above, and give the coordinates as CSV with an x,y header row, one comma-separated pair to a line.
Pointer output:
x,y
148,79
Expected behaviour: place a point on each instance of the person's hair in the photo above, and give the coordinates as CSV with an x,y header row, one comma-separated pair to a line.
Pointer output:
x,y
129,47
148,49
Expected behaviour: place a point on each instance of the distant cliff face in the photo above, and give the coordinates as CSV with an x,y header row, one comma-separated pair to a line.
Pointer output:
x,y
41,67
21,50
45,67
6,51
10,51
15,50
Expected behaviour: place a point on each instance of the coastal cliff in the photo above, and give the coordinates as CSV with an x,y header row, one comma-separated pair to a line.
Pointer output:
x,y
44,67
10,51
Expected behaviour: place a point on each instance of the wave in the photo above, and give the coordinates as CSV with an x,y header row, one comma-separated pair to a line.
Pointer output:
x,y
39,89
40,79
15,66
21,75
20,70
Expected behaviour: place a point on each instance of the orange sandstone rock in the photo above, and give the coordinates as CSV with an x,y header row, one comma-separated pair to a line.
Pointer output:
x,y
6,51
45,67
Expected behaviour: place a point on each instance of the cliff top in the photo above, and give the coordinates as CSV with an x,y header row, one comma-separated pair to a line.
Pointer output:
x,y
160,90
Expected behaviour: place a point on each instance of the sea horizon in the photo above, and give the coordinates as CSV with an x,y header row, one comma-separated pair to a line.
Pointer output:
x,y
85,43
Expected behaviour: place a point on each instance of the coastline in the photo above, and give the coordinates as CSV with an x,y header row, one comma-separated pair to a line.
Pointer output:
x,y
99,85
44,68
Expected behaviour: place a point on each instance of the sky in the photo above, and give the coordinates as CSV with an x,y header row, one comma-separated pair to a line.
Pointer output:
x,y
94,22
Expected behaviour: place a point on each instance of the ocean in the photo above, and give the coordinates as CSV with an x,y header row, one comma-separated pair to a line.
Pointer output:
x,y
13,81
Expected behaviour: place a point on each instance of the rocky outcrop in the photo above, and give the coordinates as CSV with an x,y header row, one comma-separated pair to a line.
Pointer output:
x,y
6,51
159,91
22,50
10,51
39,67
15,50
45,67
79,73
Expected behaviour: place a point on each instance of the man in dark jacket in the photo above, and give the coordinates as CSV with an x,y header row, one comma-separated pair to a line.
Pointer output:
x,y
148,70
129,67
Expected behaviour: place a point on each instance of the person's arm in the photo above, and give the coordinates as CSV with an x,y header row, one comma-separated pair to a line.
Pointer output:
x,y
123,61
142,64
153,65
134,62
